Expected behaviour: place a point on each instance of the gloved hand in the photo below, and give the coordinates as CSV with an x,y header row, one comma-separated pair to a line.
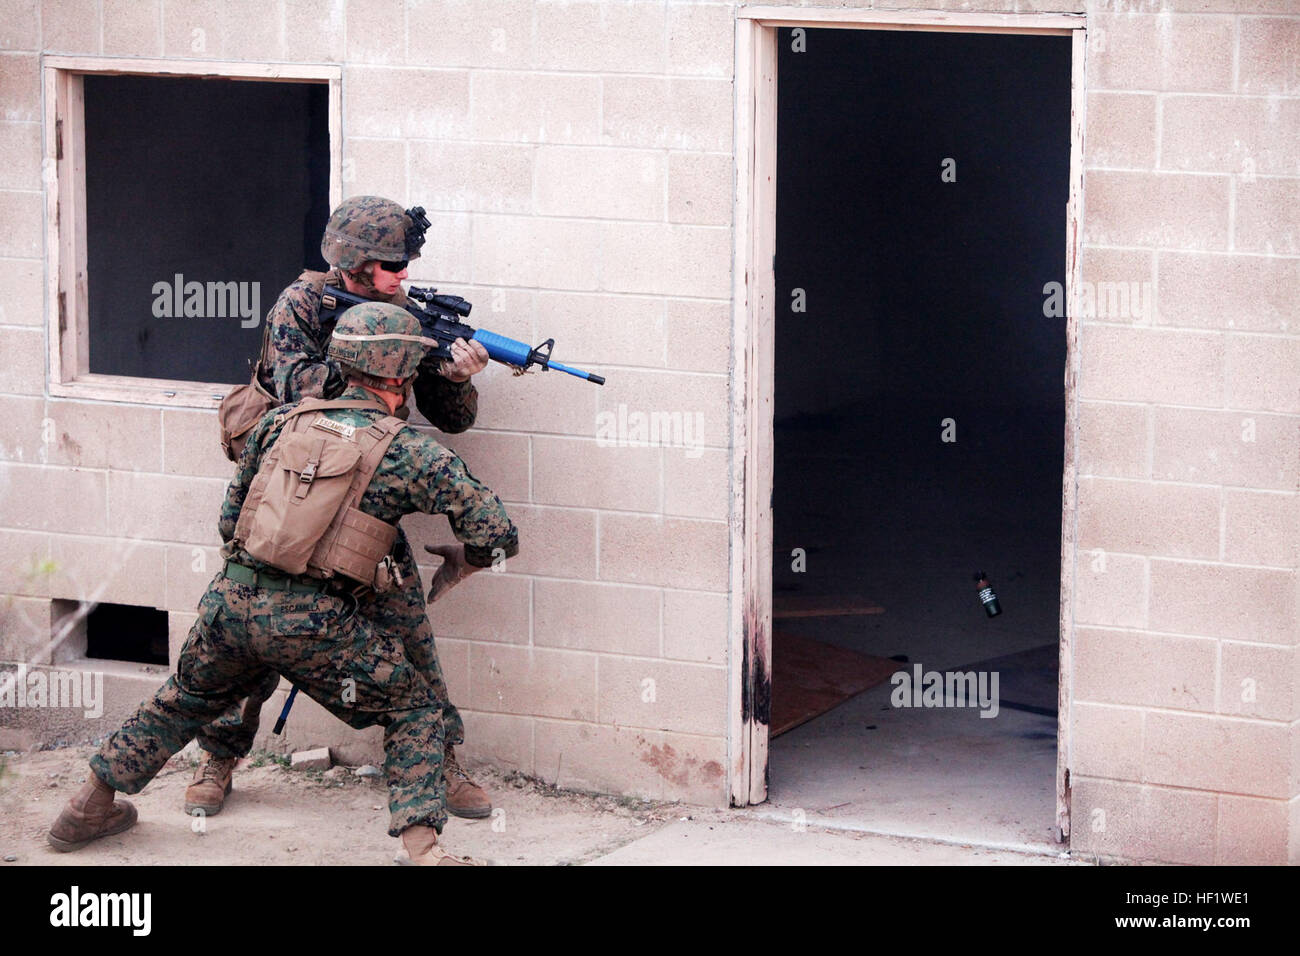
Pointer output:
x,y
467,359
453,570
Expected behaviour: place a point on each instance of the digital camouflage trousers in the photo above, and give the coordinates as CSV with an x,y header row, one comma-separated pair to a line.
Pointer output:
x,y
361,674
400,613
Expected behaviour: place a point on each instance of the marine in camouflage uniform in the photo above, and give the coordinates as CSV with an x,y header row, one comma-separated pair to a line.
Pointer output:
x,y
311,632
295,366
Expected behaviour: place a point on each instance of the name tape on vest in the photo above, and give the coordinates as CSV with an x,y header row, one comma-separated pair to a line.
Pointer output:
x,y
338,428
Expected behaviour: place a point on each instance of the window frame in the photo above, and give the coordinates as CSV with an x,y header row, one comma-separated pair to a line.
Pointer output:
x,y
64,177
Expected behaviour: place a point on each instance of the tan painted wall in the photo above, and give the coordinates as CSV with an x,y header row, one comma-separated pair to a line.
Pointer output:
x,y
576,159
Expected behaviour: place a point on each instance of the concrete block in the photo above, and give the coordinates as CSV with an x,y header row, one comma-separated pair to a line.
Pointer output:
x,y
1267,51
682,411
447,252
1107,741
539,253
1261,527
1178,210
20,101
190,569
1263,373
1259,681
474,33
1217,753
1133,822
20,156
1245,449
407,104
532,681
665,552
132,27
193,445
697,485
662,695
24,299
665,259
20,25
375,33
314,30
1267,216
1141,52
318,759
1245,604
504,741
70,26
1151,365
37,498
489,606
1141,517
699,335
1112,440
165,507
580,615
600,182
25,431
1121,131
26,625
195,28
24,563
1250,831
678,113
582,473
1211,290
523,107
606,329
601,758
1251,136
24,353
105,570
592,37
701,188
1154,670
1111,589
546,402
102,435
695,626
1236,602
479,177
701,39
378,167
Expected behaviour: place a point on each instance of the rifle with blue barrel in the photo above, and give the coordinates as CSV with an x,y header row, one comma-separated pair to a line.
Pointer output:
x,y
440,320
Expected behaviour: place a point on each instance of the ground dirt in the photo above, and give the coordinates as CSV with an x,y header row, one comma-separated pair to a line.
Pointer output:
x,y
275,815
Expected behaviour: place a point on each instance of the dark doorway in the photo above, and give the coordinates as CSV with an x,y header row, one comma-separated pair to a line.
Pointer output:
x,y
214,187
126,632
919,424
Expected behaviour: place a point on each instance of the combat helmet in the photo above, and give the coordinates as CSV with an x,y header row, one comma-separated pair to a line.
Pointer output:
x,y
378,340
371,227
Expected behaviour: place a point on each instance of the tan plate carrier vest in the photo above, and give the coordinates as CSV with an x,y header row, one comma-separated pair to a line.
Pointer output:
x,y
301,513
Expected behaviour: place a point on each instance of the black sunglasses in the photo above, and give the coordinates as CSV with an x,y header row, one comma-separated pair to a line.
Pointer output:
x,y
393,266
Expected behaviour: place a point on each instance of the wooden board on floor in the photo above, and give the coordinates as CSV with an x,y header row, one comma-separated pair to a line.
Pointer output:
x,y
809,678
810,605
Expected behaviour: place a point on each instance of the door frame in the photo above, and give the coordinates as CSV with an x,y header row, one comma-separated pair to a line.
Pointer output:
x,y
753,345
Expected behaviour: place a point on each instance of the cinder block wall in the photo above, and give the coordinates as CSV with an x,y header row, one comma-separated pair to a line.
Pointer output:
x,y
576,162
1187,679
576,159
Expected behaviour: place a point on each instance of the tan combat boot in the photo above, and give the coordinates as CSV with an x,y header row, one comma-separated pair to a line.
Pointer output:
x,y
465,798
207,791
421,845
90,814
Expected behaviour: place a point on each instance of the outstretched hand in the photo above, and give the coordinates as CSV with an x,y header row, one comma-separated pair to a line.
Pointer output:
x,y
453,570
467,359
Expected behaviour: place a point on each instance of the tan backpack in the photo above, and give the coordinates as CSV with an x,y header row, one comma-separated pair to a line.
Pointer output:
x,y
239,411
301,512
